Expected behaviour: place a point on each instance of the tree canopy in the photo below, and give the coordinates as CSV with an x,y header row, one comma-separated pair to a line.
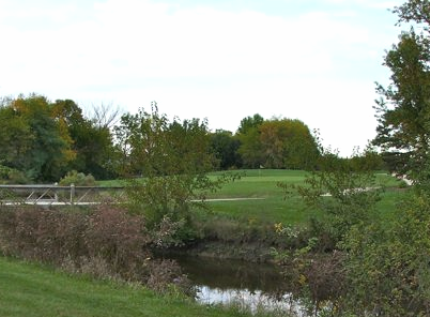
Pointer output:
x,y
276,143
403,110
45,140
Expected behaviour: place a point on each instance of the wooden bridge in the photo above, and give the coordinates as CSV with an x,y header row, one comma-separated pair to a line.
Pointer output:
x,y
55,195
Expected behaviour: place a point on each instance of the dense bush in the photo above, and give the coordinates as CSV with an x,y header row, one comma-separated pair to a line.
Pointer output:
x,y
78,179
388,266
104,242
12,176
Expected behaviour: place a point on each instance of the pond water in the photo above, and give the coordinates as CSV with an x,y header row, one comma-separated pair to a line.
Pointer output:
x,y
250,285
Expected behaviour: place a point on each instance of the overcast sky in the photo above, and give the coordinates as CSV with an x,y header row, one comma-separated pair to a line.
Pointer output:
x,y
313,60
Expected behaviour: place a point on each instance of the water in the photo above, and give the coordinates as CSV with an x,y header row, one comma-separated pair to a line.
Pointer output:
x,y
253,286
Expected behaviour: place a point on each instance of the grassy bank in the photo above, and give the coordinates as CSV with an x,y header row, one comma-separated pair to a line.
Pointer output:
x,y
33,290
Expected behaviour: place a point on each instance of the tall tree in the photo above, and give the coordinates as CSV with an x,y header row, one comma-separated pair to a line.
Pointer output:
x,y
225,147
403,111
91,141
287,143
173,158
250,143
276,143
249,123
42,149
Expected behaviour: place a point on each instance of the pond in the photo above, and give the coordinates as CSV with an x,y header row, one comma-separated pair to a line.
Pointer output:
x,y
254,286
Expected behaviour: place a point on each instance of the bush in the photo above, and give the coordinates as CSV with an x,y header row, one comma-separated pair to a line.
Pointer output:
x,y
12,176
388,267
78,179
343,192
105,242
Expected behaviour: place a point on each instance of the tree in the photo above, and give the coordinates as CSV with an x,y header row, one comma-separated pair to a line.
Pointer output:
x,y
105,115
287,143
224,145
276,143
91,141
250,123
249,137
403,111
32,140
173,158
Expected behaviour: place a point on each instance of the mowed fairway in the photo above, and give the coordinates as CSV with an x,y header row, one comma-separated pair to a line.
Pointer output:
x,y
265,201
273,207
32,290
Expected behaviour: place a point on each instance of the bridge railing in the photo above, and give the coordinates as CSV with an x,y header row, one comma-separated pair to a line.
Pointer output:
x,y
57,194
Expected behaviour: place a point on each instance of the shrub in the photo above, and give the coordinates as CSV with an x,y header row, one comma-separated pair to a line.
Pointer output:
x,y
343,192
78,179
12,176
388,267
104,242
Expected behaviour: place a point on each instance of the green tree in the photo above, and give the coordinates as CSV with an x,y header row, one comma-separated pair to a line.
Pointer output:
x,y
41,149
388,262
250,123
403,110
276,143
91,142
173,158
225,147
287,143
250,143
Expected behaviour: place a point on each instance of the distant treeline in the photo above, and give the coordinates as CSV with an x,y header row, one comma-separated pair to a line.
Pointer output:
x,y
41,141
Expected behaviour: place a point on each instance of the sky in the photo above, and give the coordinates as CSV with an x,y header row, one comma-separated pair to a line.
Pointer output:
x,y
220,60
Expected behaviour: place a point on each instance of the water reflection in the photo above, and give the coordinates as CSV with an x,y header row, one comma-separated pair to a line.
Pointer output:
x,y
251,285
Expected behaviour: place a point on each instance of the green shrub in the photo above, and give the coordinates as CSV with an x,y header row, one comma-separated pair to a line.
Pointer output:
x,y
78,179
388,267
12,176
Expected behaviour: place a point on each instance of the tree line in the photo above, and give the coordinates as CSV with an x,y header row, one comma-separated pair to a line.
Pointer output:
x,y
42,140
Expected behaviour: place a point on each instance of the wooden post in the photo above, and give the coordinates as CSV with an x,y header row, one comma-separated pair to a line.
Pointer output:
x,y
72,193
56,193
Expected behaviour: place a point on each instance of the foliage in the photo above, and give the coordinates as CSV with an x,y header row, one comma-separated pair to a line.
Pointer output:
x,y
225,148
403,110
108,236
388,264
31,140
276,143
92,141
78,179
250,145
343,192
46,139
174,159
249,123
11,176
288,144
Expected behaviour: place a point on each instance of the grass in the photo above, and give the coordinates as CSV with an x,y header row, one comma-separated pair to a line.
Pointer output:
x,y
272,207
33,290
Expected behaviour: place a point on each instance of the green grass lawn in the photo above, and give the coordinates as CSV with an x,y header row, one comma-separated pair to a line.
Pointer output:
x,y
273,207
32,290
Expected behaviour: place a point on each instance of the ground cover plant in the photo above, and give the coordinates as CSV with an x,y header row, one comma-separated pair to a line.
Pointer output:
x,y
33,290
